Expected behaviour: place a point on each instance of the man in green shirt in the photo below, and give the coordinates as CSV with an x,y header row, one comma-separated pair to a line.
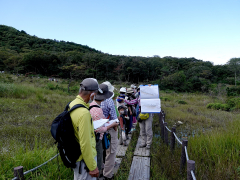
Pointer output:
x,y
86,166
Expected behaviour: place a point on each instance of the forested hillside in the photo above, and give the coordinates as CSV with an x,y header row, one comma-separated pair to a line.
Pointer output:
x,y
22,53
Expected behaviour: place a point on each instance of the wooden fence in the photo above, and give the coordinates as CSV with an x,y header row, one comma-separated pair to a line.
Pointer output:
x,y
19,174
184,155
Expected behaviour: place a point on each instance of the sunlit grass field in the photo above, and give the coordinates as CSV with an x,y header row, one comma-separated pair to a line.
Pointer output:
x,y
213,138
29,105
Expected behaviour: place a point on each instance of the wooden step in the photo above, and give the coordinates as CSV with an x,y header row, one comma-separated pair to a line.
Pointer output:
x,y
140,168
141,151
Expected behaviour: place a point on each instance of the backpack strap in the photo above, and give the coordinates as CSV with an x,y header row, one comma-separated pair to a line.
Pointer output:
x,y
76,106
67,106
93,106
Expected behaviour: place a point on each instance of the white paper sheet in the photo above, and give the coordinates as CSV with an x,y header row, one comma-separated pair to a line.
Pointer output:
x,y
99,123
110,122
149,92
150,105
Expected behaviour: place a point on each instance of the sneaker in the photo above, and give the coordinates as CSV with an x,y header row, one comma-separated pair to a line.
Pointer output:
x,y
148,146
142,146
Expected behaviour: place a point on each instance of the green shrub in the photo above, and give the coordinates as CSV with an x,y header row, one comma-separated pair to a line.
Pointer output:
x,y
210,105
74,89
233,102
50,86
182,102
217,106
233,91
225,107
164,98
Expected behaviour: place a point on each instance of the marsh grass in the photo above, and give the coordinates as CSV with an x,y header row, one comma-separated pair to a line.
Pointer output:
x,y
27,111
213,138
28,107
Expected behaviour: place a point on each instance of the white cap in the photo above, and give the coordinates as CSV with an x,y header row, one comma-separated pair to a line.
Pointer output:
x,y
123,89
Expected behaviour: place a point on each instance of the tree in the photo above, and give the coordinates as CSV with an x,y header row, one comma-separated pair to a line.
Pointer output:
x,y
14,63
234,66
74,71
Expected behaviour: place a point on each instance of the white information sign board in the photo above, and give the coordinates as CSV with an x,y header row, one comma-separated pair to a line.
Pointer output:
x,y
150,102
149,92
150,105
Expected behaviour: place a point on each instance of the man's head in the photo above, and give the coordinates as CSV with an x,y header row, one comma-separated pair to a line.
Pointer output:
x,y
88,89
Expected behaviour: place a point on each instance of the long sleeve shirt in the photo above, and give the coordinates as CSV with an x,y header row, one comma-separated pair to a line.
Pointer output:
x,y
84,132
131,102
108,108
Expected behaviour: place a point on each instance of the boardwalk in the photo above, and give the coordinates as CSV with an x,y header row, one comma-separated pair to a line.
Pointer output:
x,y
140,168
121,152
141,151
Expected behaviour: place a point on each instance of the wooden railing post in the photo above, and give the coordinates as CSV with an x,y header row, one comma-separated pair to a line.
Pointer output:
x,y
190,167
162,126
173,138
18,172
160,118
183,155
165,133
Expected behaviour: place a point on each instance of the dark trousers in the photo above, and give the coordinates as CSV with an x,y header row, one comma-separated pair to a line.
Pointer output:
x,y
129,124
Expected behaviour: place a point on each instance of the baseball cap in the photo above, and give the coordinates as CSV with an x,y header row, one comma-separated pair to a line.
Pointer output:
x,y
90,84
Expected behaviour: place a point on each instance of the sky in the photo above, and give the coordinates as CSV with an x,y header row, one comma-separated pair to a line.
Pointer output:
x,y
208,30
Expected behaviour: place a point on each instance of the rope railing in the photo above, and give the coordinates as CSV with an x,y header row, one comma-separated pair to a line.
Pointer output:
x,y
177,138
18,171
184,154
193,175
168,129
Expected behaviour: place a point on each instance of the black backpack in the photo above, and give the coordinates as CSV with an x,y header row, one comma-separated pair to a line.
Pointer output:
x,y
63,132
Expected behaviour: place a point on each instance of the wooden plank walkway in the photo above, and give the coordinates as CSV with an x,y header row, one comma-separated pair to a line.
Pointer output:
x,y
140,168
141,151
121,150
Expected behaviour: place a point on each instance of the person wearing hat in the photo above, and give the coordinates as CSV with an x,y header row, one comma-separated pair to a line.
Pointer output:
x,y
97,113
134,88
109,111
84,131
131,110
119,100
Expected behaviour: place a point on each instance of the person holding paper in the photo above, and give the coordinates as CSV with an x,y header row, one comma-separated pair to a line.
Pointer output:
x,y
97,114
109,110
